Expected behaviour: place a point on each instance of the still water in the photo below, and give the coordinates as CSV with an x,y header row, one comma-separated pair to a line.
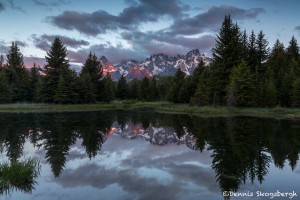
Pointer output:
x,y
145,155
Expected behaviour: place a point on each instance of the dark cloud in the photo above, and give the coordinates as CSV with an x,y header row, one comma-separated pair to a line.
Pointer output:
x,y
161,42
115,54
211,19
14,7
297,28
51,3
3,48
100,22
44,41
1,7
21,44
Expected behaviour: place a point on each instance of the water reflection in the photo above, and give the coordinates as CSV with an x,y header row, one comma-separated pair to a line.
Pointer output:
x,y
242,148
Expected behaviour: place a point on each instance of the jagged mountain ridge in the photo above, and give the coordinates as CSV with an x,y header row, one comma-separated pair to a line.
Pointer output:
x,y
158,64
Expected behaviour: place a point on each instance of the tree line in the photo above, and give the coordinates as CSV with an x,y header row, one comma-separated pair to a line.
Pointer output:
x,y
244,72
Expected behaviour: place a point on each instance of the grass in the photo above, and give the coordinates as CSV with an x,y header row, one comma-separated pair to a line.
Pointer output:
x,y
161,107
19,175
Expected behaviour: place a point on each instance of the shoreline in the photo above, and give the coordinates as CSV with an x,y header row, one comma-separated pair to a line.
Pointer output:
x,y
160,107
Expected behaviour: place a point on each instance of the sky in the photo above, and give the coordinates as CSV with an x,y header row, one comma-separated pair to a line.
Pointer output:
x,y
136,29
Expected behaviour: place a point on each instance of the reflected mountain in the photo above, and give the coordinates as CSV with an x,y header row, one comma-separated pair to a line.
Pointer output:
x,y
242,148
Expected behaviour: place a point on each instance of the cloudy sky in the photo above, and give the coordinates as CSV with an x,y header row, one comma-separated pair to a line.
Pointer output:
x,y
124,29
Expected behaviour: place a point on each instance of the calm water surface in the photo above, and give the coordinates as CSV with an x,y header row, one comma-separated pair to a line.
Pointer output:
x,y
144,155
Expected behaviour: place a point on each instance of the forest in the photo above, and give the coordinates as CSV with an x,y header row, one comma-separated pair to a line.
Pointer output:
x,y
244,72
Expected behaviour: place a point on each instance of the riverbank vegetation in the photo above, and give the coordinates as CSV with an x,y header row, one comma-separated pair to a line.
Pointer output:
x,y
244,73
160,107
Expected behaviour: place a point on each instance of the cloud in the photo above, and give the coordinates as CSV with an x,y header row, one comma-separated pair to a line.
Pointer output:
x,y
161,42
115,54
212,19
14,7
51,4
297,28
100,22
1,7
44,41
21,44
30,60
3,48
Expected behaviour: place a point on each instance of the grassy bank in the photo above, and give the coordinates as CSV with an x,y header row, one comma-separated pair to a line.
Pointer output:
x,y
162,107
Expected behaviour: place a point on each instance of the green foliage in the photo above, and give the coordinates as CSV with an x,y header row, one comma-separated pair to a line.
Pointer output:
x,y
144,89
59,80
5,88
18,76
175,86
35,84
108,89
20,175
241,87
122,88
269,94
134,88
296,93
200,97
227,53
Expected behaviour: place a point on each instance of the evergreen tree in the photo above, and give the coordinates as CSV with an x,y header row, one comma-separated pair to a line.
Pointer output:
x,y
278,63
200,97
93,69
252,59
153,87
269,98
227,53
5,88
292,50
1,61
59,79
186,90
108,89
86,89
144,89
122,88
245,45
262,50
176,85
18,76
134,88
35,84
241,87
296,93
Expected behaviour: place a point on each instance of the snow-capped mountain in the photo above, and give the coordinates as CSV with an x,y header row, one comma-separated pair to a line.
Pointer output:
x,y
159,64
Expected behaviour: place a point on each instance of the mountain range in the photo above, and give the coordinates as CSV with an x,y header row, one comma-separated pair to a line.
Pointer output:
x,y
158,64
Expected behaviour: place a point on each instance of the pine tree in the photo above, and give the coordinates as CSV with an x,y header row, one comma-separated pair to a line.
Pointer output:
x,y
200,97
153,87
292,50
278,63
86,90
175,86
108,89
227,53
262,49
144,89
241,87
35,84
134,88
59,79
252,59
1,61
186,90
122,88
5,88
18,76
296,93
269,97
